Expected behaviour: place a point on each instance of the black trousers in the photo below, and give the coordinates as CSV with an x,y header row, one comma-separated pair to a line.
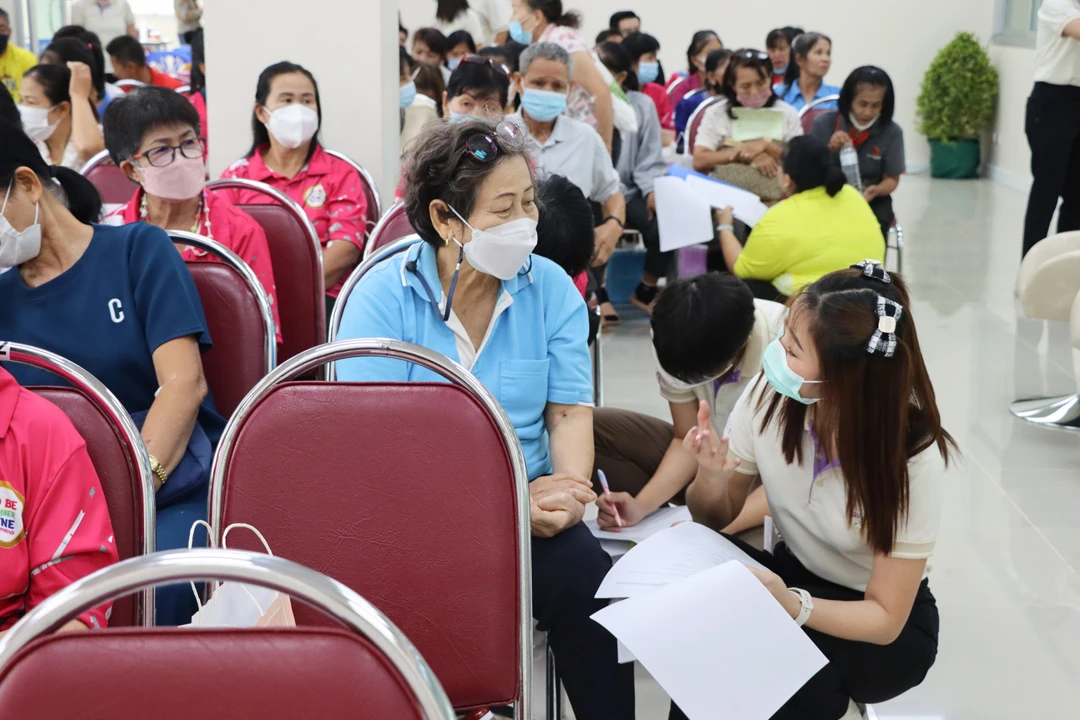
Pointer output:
x,y
637,217
1053,132
858,671
883,211
567,571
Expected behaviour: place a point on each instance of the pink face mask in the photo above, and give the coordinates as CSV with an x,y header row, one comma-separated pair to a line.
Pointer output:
x,y
182,180
757,100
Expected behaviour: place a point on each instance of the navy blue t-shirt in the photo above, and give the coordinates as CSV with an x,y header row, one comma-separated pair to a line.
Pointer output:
x,y
129,294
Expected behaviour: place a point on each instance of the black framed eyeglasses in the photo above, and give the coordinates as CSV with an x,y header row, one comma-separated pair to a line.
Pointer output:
x,y
165,155
484,147
481,60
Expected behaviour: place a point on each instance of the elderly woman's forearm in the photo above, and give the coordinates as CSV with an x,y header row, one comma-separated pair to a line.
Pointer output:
x,y
171,420
570,429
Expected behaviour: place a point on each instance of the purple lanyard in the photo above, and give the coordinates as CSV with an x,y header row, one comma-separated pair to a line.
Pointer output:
x,y
821,464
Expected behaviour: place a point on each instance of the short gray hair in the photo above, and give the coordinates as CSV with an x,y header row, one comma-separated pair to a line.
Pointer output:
x,y
547,51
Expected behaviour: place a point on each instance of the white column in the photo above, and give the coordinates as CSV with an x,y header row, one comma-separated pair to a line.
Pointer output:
x,y
350,47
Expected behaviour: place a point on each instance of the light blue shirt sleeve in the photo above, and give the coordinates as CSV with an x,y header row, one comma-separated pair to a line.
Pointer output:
x,y
570,375
374,310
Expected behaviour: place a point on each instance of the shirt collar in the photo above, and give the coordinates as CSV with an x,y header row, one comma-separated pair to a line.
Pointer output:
x,y
424,257
9,398
558,132
318,165
795,92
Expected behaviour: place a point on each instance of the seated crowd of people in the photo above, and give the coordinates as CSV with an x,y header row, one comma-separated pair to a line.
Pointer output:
x,y
527,156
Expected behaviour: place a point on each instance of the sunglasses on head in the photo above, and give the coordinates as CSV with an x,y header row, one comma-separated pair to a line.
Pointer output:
x,y
481,60
752,55
484,147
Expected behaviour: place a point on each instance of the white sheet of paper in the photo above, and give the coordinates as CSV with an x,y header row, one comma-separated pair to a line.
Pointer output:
x,y
668,556
662,519
718,643
625,655
684,219
747,206
770,535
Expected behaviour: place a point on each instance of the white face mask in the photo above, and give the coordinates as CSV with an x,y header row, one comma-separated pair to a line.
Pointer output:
x,y
35,122
18,247
500,251
293,125
860,127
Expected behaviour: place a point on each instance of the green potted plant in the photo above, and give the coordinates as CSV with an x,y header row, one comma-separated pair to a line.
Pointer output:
x,y
956,103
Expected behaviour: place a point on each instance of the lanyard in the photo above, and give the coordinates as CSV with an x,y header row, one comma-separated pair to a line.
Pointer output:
x,y
411,267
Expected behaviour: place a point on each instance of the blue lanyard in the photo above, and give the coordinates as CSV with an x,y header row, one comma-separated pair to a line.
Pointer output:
x,y
411,267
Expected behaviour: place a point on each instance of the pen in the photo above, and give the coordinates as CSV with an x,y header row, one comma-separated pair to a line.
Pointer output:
x,y
607,494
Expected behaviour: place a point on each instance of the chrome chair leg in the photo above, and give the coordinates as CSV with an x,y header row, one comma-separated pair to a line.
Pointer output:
x,y
1061,413
552,687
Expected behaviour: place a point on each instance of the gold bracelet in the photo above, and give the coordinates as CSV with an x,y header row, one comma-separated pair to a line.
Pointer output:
x,y
158,470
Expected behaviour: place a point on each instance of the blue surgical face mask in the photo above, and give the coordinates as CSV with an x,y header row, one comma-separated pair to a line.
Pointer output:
x,y
519,34
453,63
543,105
406,94
780,375
779,71
648,72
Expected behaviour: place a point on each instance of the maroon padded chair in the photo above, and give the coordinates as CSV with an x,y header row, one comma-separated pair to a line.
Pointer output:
x,y
114,186
393,226
371,191
118,456
239,318
297,259
415,495
370,261
810,112
694,123
369,671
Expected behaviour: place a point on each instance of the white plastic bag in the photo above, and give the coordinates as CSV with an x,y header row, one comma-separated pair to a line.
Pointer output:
x,y
239,605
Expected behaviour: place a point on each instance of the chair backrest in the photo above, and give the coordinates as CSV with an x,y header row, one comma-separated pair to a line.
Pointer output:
x,y
296,255
357,275
362,490
1048,292
184,90
371,190
674,87
1043,250
119,458
809,113
694,123
369,670
392,226
239,318
114,186
129,85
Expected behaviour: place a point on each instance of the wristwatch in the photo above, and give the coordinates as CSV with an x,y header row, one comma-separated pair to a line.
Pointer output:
x,y
158,470
807,605
722,228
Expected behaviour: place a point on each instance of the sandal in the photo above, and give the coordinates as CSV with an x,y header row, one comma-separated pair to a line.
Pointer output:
x,y
644,297
607,310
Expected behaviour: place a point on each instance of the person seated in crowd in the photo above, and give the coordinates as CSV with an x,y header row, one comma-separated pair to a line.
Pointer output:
x,y
461,44
14,60
703,43
708,336
565,229
286,154
845,409
479,89
804,81
154,136
608,35
59,116
641,162
473,291
715,67
430,84
506,55
119,302
823,225
416,110
569,147
864,121
73,44
589,97
752,165
129,63
778,45
429,47
625,22
52,509
643,51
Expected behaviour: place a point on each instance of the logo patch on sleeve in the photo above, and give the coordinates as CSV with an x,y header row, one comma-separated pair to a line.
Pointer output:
x,y
11,515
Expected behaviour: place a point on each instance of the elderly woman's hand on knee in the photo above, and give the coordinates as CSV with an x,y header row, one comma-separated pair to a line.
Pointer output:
x,y
557,502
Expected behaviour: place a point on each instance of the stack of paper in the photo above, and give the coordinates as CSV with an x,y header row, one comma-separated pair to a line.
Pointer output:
x,y
709,632
662,519
684,204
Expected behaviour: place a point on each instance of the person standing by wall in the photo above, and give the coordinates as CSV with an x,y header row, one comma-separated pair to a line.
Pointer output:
x,y
1053,122
188,18
14,60
107,18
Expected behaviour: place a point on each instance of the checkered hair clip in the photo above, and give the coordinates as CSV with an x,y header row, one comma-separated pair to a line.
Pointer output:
x,y
873,270
883,341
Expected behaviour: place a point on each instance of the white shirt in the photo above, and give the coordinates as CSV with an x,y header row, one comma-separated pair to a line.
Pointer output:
x,y
715,126
469,21
808,501
768,325
575,151
109,21
494,15
1057,57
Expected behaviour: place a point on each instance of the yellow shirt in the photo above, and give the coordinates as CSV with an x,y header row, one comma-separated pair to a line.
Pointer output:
x,y
810,235
13,63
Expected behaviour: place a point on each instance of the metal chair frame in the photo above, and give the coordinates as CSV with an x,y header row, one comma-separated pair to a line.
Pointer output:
x,y
820,101
321,592
698,111
313,359
365,176
369,248
107,403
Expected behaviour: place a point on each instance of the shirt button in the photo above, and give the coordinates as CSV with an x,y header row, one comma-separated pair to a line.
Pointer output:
x,y
820,483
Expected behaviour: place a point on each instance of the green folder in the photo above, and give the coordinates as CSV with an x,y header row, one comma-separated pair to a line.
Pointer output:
x,y
753,124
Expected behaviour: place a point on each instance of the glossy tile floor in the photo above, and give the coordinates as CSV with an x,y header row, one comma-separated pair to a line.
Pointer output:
x,y
1007,569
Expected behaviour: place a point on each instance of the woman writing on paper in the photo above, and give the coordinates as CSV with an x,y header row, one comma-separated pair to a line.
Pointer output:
x,y
845,434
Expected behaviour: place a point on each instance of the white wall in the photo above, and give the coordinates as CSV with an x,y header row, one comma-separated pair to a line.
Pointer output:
x,y
1010,158
351,48
902,37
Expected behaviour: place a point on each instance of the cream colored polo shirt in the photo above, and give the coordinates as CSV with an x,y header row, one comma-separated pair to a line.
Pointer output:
x,y
1057,57
808,502
768,325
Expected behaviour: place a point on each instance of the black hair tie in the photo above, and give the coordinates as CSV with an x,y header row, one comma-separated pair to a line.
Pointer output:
x,y
873,270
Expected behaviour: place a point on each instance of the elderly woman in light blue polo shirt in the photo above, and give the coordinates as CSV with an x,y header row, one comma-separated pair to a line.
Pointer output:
x,y
474,292
804,81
